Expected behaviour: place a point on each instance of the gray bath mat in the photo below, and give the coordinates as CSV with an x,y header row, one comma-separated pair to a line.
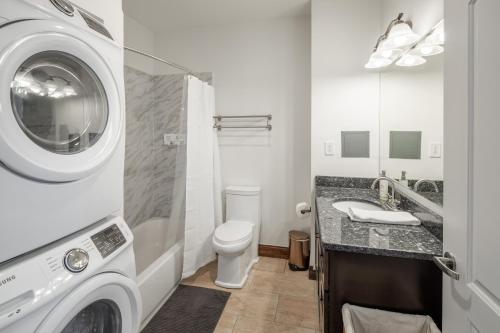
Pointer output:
x,y
189,310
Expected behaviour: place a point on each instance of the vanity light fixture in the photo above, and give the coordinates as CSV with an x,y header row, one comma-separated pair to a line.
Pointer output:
x,y
390,45
436,36
401,45
427,50
377,62
401,35
410,60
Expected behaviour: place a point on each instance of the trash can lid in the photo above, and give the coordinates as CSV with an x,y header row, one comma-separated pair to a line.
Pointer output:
x,y
298,235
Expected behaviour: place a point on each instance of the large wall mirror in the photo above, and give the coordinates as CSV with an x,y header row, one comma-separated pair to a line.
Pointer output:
x,y
377,91
411,100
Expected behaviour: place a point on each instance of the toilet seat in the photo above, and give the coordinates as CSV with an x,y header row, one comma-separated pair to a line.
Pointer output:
x,y
233,232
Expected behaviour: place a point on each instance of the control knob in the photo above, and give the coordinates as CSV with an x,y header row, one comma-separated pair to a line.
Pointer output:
x,y
76,260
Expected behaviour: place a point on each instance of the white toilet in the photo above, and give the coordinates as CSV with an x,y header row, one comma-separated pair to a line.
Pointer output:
x,y
237,240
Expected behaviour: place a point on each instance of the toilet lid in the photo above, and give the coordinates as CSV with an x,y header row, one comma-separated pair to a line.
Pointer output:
x,y
233,232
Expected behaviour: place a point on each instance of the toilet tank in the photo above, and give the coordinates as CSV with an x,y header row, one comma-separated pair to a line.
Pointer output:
x,y
243,204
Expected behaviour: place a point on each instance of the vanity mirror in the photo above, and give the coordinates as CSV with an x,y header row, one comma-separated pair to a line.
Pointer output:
x,y
377,99
411,97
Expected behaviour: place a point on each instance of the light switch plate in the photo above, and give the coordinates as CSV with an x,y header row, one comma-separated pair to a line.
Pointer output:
x,y
435,150
329,148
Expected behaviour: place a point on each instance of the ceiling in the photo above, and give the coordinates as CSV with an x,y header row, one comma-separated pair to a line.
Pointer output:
x,y
164,15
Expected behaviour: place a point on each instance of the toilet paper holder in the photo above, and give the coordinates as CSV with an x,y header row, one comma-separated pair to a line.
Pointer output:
x,y
305,211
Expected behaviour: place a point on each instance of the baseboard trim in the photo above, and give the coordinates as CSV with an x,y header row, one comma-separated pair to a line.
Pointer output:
x,y
273,251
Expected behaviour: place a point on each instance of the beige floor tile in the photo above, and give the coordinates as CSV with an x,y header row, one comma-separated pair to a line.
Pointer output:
x,y
249,325
271,265
266,281
271,282
297,311
253,305
226,322
204,275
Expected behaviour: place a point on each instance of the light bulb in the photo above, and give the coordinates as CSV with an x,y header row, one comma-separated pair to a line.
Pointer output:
x,y
376,62
428,50
409,60
385,51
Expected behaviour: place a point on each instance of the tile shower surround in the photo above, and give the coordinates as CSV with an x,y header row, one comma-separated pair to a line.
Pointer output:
x,y
154,106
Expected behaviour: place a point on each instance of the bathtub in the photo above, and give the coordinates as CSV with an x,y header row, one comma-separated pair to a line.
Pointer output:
x,y
159,264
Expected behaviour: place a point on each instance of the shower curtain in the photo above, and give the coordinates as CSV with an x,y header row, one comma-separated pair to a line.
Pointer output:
x,y
203,187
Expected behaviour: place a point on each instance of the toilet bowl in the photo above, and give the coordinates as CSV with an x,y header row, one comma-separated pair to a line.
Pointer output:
x,y
232,237
236,241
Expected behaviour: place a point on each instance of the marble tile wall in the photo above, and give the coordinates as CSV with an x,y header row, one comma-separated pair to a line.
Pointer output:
x,y
154,172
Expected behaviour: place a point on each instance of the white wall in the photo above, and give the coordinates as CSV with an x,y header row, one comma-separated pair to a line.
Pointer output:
x,y
110,11
344,95
139,37
259,68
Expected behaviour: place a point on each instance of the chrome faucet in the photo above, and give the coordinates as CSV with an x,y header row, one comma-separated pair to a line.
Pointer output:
x,y
392,203
428,181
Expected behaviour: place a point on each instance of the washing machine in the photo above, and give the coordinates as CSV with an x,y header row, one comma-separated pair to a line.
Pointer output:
x,y
85,283
61,123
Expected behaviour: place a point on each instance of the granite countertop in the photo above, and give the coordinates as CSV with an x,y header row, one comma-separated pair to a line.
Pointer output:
x,y
339,233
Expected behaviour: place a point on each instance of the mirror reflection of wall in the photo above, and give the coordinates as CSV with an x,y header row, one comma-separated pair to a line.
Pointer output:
x,y
411,100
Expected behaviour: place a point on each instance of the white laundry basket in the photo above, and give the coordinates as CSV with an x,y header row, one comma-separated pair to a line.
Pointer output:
x,y
365,320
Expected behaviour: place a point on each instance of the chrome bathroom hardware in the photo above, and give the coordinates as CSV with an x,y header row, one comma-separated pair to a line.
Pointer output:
x,y
219,126
448,265
169,63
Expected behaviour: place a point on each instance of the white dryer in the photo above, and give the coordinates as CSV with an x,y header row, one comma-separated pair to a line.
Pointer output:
x,y
61,123
85,283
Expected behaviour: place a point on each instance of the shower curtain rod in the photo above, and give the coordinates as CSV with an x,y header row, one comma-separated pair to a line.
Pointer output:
x,y
170,63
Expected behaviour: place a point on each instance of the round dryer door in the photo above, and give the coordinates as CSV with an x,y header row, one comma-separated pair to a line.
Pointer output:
x,y
109,303
61,113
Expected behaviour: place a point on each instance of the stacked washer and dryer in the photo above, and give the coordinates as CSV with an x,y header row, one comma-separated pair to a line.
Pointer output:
x,y
66,257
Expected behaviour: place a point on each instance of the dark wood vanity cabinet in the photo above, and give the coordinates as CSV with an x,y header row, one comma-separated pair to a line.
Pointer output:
x,y
382,282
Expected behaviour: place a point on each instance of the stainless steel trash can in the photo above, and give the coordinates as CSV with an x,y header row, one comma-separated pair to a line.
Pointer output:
x,y
299,246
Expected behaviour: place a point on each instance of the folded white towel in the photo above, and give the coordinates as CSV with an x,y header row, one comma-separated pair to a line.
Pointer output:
x,y
388,217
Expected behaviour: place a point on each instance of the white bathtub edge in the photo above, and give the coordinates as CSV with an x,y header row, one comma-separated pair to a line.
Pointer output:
x,y
159,280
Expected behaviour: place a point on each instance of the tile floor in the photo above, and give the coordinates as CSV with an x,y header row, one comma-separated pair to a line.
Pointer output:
x,y
274,300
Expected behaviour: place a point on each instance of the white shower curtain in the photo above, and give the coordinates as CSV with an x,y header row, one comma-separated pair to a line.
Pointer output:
x,y
203,188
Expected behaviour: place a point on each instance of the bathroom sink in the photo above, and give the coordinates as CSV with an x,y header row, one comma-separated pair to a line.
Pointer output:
x,y
343,206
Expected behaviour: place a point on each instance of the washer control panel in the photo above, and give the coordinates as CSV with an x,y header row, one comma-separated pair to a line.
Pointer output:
x,y
108,240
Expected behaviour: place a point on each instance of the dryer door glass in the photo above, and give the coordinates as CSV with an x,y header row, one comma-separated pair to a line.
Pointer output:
x,y
101,316
59,102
